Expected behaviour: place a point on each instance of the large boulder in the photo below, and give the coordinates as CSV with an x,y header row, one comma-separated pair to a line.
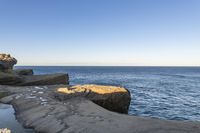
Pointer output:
x,y
113,98
7,62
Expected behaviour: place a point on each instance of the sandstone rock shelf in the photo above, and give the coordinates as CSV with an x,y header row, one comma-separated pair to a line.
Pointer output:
x,y
38,108
59,108
113,98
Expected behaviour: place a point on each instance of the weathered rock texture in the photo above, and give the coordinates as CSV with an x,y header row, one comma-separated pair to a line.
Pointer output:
x,y
48,79
7,62
37,108
25,77
28,80
110,97
23,71
10,79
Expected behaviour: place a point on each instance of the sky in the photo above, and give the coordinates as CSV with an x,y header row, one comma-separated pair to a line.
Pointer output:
x,y
101,32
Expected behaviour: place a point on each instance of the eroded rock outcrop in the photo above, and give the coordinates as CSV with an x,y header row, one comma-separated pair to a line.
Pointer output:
x,y
7,62
25,77
113,98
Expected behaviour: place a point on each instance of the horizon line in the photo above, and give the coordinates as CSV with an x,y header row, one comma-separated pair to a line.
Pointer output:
x,y
107,65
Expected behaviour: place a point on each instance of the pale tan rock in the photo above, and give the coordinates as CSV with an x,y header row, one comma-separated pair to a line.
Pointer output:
x,y
7,62
100,89
110,97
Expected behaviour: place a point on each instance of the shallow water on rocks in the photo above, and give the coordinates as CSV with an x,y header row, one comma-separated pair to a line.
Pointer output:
x,y
8,120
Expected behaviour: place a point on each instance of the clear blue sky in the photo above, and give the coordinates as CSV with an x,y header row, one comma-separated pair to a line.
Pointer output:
x,y
101,32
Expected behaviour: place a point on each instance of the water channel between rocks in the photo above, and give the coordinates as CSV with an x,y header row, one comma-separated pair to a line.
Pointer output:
x,y
8,120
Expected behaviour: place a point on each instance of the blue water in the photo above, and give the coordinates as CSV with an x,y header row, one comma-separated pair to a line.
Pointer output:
x,y
160,92
8,120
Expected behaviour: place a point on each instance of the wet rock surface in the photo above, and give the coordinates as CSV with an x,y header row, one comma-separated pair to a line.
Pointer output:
x,y
36,107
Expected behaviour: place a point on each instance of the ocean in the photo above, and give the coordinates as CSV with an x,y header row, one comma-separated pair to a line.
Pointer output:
x,y
171,93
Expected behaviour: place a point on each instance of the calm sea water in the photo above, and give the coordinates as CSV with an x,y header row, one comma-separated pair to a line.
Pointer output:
x,y
161,92
8,120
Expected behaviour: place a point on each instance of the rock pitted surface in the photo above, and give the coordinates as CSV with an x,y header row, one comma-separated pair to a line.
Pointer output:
x,y
7,62
113,98
36,107
25,77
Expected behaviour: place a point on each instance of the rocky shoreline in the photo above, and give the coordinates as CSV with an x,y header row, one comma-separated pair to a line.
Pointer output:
x,y
48,104
38,107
